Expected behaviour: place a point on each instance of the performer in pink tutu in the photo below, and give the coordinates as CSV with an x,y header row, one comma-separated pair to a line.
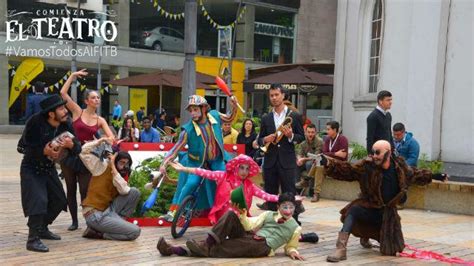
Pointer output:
x,y
238,171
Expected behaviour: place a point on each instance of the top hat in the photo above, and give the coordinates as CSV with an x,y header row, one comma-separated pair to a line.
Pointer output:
x,y
39,86
237,196
51,103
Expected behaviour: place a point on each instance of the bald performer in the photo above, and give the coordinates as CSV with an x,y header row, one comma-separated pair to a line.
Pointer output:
x,y
383,180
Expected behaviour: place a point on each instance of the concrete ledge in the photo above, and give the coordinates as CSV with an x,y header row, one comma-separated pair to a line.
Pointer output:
x,y
11,129
450,197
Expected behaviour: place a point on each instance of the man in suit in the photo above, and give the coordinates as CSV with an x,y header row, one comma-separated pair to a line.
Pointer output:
x,y
379,121
279,167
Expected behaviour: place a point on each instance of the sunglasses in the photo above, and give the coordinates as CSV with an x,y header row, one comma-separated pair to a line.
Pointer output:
x,y
377,152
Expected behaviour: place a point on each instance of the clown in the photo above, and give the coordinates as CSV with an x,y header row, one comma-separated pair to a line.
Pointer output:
x,y
238,172
237,236
203,135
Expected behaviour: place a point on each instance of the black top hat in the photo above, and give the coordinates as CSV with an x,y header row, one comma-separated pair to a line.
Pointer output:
x,y
39,86
51,103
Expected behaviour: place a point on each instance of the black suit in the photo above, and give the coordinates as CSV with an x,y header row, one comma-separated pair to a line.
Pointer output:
x,y
378,128
280,160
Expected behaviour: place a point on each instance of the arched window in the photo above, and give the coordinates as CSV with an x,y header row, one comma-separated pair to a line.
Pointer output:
x,y
375,45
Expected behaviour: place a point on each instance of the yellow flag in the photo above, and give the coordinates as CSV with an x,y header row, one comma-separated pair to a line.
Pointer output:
x,y
25,73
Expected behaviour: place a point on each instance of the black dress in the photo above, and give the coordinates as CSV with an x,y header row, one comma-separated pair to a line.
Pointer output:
x,y
242,139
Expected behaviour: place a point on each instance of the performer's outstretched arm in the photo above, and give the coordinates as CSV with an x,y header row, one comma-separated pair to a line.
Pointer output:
x,y
171,155
259,193
228,118
71,105
208,174
421,177
343,170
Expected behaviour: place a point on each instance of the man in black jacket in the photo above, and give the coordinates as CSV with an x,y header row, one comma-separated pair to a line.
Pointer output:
x,y
42,194
279,166
379,121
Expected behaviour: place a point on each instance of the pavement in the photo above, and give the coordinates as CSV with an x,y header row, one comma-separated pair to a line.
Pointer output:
x,y
448,234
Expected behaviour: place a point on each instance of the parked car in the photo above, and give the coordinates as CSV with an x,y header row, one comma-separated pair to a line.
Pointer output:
x,y
161,39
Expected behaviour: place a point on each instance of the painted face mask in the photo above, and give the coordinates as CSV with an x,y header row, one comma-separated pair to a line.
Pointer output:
x,y
286,209
195,113
243,171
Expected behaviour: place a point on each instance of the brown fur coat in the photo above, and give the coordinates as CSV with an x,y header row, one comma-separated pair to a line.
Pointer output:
x,y
369,177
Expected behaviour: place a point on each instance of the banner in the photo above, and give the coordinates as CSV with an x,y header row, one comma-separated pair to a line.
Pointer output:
x,y
138,98
26,72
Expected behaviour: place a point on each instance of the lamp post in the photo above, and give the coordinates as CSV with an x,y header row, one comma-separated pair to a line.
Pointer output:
x,y
74,57
189,68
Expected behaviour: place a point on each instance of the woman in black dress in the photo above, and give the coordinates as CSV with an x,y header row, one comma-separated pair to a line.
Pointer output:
x,y
246,136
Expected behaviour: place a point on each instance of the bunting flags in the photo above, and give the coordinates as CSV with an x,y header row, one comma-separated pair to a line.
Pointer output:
x,y
214,23
177,16
165,13
57,85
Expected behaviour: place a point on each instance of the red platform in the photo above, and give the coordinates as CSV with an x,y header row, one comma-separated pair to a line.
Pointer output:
x,y
164,147
146,221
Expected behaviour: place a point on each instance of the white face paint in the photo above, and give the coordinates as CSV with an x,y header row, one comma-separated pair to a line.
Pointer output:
x,y
286,209
244,170
195,112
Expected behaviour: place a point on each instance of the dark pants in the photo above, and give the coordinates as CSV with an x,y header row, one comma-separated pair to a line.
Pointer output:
x,y
233,241
111,223
42,195
369,216
73,177
276,177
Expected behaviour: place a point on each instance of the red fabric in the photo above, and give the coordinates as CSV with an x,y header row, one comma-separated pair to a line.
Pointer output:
x,y
341,144
228,181
430,255
84,132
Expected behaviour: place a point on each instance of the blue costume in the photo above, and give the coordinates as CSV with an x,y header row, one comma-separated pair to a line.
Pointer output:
x,y
202,140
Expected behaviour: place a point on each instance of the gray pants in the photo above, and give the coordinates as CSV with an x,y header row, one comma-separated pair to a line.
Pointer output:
x,y
110,221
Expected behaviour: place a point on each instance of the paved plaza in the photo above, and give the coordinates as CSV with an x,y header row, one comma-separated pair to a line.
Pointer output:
x,y
448,234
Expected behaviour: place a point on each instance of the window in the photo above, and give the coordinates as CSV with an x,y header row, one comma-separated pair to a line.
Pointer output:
x,y
375,45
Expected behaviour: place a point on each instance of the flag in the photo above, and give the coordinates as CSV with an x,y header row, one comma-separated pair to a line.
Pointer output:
x,y
26,72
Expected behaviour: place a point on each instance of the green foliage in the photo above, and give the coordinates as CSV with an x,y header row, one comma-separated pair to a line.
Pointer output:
x,y
141,175
117,123
358,151
435,167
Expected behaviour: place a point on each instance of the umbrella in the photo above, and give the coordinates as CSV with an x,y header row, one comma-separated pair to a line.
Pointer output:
x,y
171,78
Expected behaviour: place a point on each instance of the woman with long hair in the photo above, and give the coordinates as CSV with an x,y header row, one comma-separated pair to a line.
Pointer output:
x,y
128,132
86,124
246,136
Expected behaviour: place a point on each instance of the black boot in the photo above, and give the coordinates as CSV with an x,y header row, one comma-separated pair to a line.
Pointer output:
x,y
310,238
46,234
34,242
73,227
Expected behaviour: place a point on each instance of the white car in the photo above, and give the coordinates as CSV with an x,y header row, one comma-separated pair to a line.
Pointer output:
x,y
162,39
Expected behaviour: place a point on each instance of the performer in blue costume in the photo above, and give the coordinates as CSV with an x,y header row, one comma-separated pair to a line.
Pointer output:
x,y
203,135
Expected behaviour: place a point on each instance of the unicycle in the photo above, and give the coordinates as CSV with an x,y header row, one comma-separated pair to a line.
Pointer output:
x,y
184,214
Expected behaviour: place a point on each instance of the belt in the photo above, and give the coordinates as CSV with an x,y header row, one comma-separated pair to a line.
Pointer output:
x,y
89,213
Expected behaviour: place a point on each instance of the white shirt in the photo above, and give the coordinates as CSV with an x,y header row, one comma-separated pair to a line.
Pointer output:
x,y
381,110
280,118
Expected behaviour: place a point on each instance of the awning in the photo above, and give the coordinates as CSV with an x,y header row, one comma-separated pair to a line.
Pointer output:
x,y
292,79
